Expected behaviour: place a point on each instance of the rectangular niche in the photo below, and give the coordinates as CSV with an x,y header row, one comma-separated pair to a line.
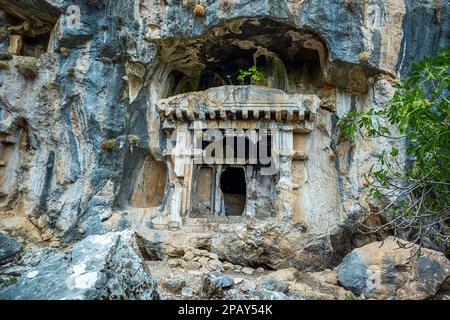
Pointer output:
x,y
150,184
300,146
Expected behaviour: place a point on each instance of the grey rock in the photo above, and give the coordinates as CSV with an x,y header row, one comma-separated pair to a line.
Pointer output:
x,y
107,266
248,286
9,247
174,284
187,292
248,271
382,270
233,294
271,284
214,282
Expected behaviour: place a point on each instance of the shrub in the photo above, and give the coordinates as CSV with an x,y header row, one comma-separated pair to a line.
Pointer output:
x,y
71,72
109,145
125,94
133,140
252,76
65,51
351,296
4,65
414,195
364,56
199,10
28,69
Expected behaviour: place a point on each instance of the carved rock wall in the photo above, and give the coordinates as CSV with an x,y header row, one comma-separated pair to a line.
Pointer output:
x,y
101,82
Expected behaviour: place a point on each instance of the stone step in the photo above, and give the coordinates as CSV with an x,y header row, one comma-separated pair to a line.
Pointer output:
x,y
3,163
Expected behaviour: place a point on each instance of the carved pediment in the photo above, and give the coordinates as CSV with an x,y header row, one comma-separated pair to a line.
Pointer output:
x,y
240,103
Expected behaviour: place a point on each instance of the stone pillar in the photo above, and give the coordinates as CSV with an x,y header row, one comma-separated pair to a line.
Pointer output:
x,y
285,205
299,176
175,207
183,172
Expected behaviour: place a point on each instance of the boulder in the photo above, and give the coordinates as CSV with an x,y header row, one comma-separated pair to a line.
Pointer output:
x,y
271,284
174,284
213,284
192,265
215,265
253,245
107,266
9,248
248,271
228,266
248,286
382,270
188,256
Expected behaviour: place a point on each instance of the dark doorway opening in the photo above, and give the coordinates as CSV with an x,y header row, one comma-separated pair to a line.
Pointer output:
x,y
234,188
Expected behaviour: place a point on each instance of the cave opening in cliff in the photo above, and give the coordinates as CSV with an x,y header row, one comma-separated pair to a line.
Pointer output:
x,y
234,188
291,60
28,36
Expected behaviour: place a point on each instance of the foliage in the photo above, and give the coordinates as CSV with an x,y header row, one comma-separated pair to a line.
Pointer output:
x,y
415,193
4,65
351,296
253,75
199,10
134,140
65,51
71,72
109,145
364,56
28,69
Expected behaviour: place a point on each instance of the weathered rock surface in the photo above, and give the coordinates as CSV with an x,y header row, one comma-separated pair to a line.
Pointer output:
x,y
271,284
102,81
272,244
214,284
174,284
383,270
99,267
9,247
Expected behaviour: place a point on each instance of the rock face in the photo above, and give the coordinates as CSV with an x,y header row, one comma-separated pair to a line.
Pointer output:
x,y
102,104
99,267
9,247
383,270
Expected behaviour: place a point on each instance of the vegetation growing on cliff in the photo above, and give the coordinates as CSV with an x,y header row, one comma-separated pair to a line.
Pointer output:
x,y
415,193
28,69
109,145
252,76
4,65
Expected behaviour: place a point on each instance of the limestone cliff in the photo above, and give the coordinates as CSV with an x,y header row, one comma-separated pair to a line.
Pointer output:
x,y
91,92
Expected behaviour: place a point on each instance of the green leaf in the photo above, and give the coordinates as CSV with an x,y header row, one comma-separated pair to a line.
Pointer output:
x,y
394,152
